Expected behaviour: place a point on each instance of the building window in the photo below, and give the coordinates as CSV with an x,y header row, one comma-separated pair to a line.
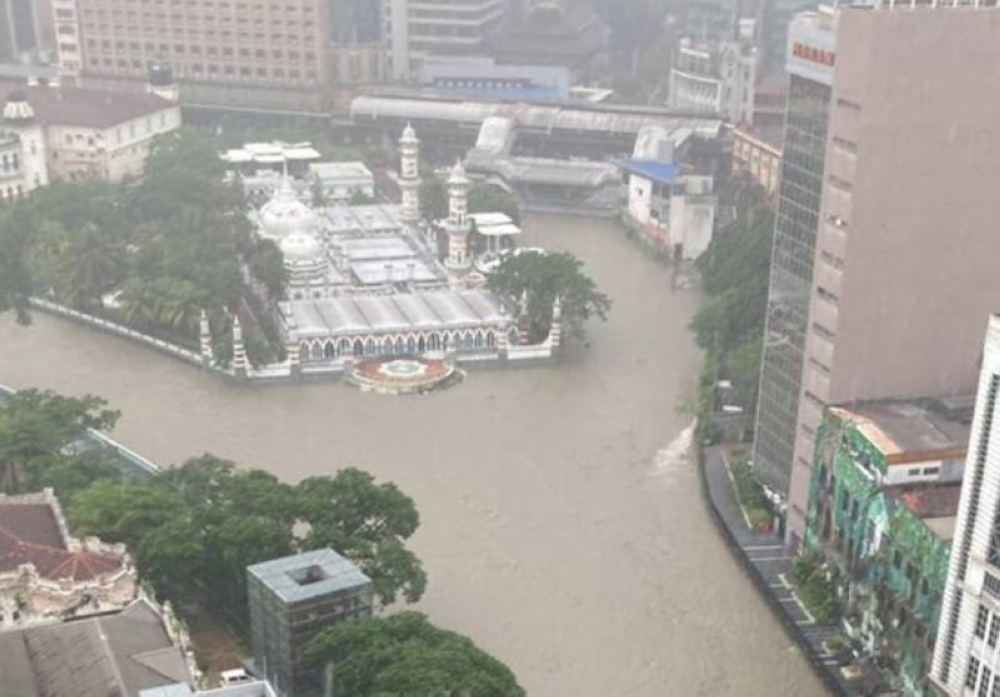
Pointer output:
x,y
994,632
981,620
984,683
970,677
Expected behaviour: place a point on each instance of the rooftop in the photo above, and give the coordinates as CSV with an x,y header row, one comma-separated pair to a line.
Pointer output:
x,y
109,656
30,534
270,153
311,574
340,170
906,430
443,309
85,107
935,504
657,170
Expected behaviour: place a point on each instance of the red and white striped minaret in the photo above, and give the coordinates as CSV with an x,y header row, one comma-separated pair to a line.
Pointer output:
x,y
555,330
205,339
458,226
239,350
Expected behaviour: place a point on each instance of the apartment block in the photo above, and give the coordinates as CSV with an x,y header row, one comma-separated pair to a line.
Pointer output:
x,y
237,51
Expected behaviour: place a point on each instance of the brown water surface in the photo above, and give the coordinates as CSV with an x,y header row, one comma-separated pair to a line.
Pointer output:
x,y
562,525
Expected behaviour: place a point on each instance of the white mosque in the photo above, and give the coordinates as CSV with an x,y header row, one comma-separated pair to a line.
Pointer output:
x,y
366,281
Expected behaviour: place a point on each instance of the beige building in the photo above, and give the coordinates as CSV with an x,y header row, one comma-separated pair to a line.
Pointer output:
x,y
74,133
904,268
240,51
757,155
46,575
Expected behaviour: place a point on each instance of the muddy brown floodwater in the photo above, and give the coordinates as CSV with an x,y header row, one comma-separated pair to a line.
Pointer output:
x,y
562,526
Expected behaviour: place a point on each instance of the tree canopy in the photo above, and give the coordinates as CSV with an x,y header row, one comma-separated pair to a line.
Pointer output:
x,y
151,253
545,276
405,654
39,432
730,323
195,528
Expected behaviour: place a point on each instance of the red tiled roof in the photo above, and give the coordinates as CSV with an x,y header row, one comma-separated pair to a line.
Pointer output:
x,y
930,500
87,108
29,534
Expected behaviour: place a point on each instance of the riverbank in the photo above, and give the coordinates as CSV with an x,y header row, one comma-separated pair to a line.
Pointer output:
x,y
766,562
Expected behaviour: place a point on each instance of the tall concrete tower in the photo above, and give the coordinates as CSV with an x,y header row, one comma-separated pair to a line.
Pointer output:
x,y
409,178
458,226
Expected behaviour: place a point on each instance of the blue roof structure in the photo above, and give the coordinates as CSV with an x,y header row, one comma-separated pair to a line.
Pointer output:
x,y
657,170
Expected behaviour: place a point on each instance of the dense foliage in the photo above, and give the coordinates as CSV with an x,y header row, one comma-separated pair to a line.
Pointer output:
x,y
750,494
39,436
152,253
814,589
730,323
545,276
406,655
195,528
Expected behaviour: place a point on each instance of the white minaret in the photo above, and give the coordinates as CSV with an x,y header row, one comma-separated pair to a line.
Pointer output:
x,y
292,344
458,226
967,650
555,331
239,350
409,178
205,339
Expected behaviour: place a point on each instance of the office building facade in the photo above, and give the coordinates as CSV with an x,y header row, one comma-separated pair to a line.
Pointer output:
x,y
794,246
413,30
900,274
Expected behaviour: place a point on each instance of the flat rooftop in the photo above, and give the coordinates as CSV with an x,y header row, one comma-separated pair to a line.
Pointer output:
x,y
902,429
370,219
340,170
309,575
934,503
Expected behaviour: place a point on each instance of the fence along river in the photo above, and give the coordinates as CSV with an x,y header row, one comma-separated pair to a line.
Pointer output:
x,y
562,526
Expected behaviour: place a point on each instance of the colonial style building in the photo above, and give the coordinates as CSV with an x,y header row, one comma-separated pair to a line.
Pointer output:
x,y
47,575
53,132
881,517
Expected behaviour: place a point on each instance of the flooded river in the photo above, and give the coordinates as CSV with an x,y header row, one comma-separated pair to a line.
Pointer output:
x,y
561,520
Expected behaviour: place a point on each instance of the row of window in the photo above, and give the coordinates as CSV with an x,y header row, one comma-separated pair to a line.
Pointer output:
x,y
196,49
210,69
194,35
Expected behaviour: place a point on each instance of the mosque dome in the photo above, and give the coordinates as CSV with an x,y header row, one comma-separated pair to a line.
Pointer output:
x,y
285,214
301,248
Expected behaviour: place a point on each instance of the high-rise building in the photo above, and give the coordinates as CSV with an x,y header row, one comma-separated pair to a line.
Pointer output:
x,y
794,246
416,29
25,30
891,264
221,51
716,78
293,599
966,658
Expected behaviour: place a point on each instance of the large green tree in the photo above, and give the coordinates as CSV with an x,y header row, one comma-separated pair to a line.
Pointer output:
x,y
545,276
729,325
39,429
405,654
195,528
15,273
